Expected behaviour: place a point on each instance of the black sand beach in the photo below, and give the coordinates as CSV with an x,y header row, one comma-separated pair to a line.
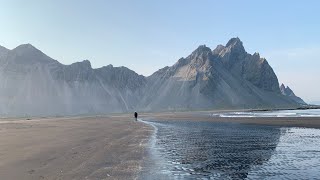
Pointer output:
x,y
117,147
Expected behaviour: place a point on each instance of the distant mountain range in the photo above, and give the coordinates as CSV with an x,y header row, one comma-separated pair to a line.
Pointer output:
x,y
33,84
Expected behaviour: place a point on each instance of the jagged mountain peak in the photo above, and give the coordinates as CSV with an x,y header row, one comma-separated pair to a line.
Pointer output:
x,y
111,67
286,90
202,48
84,65
233,51
218,49
198,56
256,54
235,44
253,68
234,41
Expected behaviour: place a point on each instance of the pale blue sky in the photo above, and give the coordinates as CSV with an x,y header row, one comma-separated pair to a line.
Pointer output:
x,y
146,35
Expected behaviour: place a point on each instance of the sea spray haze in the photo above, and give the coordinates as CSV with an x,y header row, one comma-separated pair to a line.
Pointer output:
x,y
226,77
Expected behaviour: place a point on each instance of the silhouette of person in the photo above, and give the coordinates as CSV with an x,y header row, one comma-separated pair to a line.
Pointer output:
x,y
136,115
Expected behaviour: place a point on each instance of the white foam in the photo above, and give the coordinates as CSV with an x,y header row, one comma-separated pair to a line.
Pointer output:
x,y
284,113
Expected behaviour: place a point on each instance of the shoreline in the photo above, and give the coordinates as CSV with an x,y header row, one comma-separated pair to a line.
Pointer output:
x,y
129,114
307,122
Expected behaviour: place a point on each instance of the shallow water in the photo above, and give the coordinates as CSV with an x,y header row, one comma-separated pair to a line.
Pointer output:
x,y
210,150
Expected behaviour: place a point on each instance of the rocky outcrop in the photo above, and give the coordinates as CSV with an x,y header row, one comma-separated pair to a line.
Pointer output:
x,y
286,91
227,77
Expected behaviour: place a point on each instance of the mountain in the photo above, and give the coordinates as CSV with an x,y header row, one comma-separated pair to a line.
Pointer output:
x,y
226,77
33,84
286,91
252,68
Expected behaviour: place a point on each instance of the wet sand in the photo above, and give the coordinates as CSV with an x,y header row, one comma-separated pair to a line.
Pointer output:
x,y
308,122
72,148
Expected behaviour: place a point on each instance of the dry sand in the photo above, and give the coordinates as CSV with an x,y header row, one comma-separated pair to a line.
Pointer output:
x,y
72,148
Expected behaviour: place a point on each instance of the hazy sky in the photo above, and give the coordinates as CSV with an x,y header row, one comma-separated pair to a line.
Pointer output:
x,y
146,35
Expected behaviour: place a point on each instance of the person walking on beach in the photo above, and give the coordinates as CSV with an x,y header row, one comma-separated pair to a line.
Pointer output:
x,y
136,115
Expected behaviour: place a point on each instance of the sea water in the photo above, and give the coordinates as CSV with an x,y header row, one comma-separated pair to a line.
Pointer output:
x,y
277,113
211,150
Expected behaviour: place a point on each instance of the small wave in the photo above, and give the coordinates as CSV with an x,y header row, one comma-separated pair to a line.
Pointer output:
x,y
223,115
284,113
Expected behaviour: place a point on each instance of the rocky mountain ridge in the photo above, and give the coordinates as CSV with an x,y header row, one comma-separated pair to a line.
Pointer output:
x,y
34,84
286,91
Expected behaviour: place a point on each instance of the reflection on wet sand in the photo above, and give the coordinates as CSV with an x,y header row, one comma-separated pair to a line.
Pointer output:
x,y
188,150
